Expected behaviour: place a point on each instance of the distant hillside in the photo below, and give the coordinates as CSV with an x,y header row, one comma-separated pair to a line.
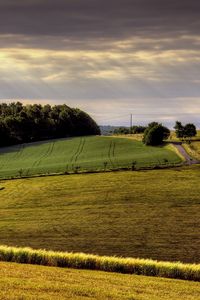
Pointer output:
x,y
23,124
107,129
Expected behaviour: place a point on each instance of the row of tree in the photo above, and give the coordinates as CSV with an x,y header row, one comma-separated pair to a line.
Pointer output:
x,y
27,123
133,130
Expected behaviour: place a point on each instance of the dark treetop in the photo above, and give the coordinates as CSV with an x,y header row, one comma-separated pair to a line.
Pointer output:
x,y
21,124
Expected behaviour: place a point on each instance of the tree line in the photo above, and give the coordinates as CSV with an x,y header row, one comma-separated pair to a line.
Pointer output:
x,y
28,123
136,129
155,133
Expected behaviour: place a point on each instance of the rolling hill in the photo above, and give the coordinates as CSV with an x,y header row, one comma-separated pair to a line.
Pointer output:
x,y
81,155
147,214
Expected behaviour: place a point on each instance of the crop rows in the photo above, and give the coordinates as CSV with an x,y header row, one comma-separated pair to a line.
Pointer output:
x,y
84,154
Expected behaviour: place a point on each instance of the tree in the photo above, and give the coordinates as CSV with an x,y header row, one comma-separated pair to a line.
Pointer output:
x,y
4,135
21,124
155,134
179,129
122,130
190,131
138,129
184,132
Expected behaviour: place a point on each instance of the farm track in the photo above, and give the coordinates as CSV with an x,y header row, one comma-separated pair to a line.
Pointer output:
x,y
111,153
188,159
78,152
45,155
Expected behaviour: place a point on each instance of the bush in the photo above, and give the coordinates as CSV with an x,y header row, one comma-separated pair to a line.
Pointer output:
x,y
155,134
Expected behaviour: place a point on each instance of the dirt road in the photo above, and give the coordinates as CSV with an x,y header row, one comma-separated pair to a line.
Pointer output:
x,y
188,158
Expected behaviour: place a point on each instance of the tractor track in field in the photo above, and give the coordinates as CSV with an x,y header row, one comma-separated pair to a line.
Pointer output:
x,y
78,152
16,155
46,154
111,153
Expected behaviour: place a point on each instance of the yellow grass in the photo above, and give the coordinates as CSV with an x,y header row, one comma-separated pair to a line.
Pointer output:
x,y
145,267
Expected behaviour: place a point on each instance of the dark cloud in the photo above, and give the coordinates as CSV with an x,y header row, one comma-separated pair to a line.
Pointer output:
x,y
99,18
127,56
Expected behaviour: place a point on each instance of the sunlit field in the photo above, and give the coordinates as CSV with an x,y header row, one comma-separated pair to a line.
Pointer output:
x,y
147,214
38,282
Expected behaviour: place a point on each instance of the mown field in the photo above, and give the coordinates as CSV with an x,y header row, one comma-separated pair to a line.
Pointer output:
x,y
81,154
147,214
38,282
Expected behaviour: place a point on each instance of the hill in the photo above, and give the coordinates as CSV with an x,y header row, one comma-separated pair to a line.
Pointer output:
x,y
148,214
82,154
38,282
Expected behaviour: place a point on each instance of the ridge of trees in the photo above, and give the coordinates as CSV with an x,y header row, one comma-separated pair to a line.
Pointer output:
x,y
28,123
136,129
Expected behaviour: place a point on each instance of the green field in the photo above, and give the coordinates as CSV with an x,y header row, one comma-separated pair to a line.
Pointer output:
x,y
38,282
81,154
148,214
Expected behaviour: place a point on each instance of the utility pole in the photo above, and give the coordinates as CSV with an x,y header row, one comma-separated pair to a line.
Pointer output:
x,y
131,123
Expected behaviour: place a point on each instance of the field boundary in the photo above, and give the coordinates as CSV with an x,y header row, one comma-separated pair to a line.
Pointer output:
x,y
160,166
146,267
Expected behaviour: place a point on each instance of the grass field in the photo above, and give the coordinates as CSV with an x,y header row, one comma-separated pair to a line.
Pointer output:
x,y
38,282
81,154
148,214
193,149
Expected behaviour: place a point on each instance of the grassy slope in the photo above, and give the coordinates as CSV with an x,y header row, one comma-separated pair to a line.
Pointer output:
x,y
88,153
37,282
153,214
193,149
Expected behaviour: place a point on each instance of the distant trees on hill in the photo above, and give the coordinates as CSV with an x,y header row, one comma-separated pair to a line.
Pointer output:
x,y
122,130
155,134
20,124
126,130
185,132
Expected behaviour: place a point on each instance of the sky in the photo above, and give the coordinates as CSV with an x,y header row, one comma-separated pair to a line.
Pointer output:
x,y
111,58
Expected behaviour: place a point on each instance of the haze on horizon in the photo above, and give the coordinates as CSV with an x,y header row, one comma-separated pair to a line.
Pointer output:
x,y
108,57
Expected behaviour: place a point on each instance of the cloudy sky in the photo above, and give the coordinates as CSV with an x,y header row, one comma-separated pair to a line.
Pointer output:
x,y
108,57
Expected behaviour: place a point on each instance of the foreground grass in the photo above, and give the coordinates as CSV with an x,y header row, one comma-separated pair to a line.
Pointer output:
x,y
38,282
147,214
103,263
81,155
